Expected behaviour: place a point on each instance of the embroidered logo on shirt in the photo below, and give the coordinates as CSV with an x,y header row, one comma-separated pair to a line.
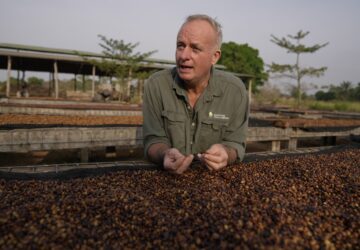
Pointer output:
x,y
218,116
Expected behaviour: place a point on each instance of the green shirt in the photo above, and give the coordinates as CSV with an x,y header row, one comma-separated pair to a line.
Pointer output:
x,y
220,115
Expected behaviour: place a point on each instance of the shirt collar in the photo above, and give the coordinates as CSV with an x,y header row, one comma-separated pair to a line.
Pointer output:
x,y
213,88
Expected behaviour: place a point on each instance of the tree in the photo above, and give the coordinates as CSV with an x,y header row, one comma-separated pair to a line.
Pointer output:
x,y
241,58
294,71
120,60
33,80
343,92
325,96
355,94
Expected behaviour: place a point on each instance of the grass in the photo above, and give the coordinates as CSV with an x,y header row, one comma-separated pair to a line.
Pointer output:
x,y
335,106
346,106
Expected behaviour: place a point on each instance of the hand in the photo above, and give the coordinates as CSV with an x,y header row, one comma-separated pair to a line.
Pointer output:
x,y
216,157
175,162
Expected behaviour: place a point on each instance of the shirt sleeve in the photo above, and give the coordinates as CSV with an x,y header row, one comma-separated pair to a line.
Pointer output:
x,y
153,127
235,135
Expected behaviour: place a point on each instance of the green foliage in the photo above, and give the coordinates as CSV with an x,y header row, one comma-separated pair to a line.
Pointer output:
x,y
241,58
294,71
120,59
335,106
325,96
295,92
355,94
343,92
35,81
348,106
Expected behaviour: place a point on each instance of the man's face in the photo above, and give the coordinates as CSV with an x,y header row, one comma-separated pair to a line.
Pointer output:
x,y
196,51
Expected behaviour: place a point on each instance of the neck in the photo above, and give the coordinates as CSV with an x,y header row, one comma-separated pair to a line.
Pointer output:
x,y
195,91
196,88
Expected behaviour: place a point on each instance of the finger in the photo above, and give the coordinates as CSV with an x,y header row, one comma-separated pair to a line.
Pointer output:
x,y
212,158
172,159
172,164
185,164
215,163
208,166
212,165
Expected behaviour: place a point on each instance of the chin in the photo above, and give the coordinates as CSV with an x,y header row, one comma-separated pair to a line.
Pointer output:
x,y
185,76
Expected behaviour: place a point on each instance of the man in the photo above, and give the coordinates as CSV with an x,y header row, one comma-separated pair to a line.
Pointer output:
x,y
194,109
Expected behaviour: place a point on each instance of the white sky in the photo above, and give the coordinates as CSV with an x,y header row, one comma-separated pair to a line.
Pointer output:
x,y
75,24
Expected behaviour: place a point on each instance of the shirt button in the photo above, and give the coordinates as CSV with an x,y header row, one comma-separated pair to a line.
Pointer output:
x,y
191,143
188,107
193,124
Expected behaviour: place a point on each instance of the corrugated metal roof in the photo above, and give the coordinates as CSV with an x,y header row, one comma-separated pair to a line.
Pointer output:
x,y
37,58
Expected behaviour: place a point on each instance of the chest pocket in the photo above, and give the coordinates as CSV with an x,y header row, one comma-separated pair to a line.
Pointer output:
x,y
174,125
212,131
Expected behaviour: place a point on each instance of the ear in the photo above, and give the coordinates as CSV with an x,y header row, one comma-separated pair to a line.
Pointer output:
x,y
216,56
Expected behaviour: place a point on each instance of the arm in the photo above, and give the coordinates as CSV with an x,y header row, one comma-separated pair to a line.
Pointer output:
x,y
219,156
172,160
157,146
156,153
232,147
153,132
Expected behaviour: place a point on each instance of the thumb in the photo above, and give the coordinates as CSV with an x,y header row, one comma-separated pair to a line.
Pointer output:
x,y
185,164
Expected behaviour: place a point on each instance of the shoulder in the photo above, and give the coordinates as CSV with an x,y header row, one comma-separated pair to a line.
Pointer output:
x,y
160,76
228,81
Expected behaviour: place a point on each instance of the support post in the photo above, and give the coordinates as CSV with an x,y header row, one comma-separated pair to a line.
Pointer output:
x,y
93,82
250,90
275,146
83,83
18,81
84,155
50,83
8,77
75,83
129,83
140,89
56,76
292,144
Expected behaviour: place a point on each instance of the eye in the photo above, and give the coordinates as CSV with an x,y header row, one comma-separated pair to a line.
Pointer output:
x,y
196,49
180,46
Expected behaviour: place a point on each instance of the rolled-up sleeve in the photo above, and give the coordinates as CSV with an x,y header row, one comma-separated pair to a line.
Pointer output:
x,y
153,127
235,135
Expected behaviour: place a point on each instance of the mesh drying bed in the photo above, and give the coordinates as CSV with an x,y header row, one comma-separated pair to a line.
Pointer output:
x,y
308,201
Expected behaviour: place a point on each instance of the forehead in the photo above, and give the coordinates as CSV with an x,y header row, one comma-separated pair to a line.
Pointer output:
x,y
197,31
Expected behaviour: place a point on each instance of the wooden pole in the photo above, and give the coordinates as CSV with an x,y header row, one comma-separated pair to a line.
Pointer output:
x,y
75,83
18,81
49,90
140,89
93,82
250,90
8,77
56,76
129,83
83,83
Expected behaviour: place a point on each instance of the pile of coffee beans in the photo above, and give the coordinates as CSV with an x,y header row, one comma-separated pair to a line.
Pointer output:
x,y
290,202
20,119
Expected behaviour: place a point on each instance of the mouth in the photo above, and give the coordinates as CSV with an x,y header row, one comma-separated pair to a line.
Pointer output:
x,y
185,68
